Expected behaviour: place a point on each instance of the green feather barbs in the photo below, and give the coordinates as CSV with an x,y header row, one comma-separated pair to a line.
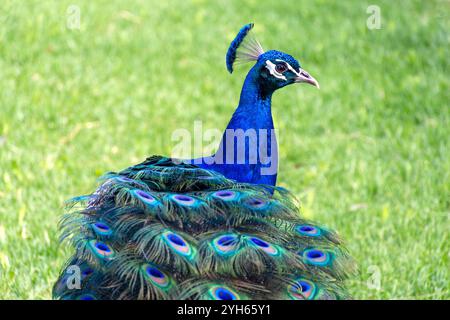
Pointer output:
x,y
165,230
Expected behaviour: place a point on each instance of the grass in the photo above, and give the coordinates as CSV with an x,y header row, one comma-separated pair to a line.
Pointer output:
x,y
368,154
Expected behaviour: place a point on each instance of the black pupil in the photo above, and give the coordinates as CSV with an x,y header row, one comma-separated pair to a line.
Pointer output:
x,y
280,67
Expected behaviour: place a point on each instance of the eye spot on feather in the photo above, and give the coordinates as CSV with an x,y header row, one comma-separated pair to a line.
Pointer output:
x,y
226,195
101,229
101,249
153,272
315,254
178,244
101,226
145,197
259,242
177,240
156,276
308,230
183,199
265,246
226,240
86,297
316,257
222,293
301,289
256,203
225,244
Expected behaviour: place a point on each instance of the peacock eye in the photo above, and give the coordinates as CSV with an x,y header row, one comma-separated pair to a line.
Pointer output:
x,y
280,68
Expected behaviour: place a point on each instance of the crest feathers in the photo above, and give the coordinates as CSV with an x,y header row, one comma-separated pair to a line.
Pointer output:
x,y
243,48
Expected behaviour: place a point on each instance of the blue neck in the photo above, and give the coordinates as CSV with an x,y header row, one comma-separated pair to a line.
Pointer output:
x,y
252,158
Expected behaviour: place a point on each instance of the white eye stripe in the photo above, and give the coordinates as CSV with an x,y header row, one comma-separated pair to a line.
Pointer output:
x,y
290,67
271,67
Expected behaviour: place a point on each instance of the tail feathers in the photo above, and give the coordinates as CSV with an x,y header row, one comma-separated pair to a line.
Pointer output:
x,y
246,256
79,281
165,246
139,279
221,289
165,230
309,287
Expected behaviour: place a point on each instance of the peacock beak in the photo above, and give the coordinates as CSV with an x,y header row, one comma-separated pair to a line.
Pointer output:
x,y
303,76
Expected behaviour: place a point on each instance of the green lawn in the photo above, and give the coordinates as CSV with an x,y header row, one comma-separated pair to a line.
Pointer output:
x,y
368,154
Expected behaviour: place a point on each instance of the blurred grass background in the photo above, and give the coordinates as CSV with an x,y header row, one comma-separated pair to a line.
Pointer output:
x,y
367,155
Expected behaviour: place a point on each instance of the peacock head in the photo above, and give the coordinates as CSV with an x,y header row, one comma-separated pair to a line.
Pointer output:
x,y
273,69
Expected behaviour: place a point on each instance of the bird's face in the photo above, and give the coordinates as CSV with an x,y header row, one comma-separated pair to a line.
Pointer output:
x,y
278,69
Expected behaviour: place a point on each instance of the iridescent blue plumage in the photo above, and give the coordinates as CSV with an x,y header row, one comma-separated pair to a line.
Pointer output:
x,y
234,45
166,229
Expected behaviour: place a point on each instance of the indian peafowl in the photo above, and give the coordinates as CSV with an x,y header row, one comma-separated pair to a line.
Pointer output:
x,y
216,227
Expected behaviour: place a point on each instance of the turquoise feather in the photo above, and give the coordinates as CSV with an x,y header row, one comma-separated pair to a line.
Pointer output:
x,y
198,243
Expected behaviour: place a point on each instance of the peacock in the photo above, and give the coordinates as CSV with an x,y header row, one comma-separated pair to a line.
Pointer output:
x,y
209,228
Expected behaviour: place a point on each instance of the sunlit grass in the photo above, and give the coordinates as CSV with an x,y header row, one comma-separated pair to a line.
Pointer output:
x,y
368,154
